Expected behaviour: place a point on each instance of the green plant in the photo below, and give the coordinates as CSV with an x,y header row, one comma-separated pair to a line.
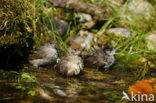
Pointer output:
x,y
28,77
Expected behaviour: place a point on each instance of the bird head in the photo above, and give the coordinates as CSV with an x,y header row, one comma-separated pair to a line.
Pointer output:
x,y
75,49
109,50
52,43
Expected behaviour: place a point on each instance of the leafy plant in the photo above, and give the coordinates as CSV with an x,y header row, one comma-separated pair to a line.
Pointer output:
x,y
28,77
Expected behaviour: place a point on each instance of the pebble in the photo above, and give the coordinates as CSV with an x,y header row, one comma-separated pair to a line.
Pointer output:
x,y
60,92
151,41
119,32
84,40
84,17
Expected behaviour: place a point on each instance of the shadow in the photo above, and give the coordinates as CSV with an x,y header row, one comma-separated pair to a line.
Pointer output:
x,y
14,56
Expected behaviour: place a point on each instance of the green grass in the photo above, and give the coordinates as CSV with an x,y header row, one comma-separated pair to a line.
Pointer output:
x,y
42,24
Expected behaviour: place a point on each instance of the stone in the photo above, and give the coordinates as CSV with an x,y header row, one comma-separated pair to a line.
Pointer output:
x,y
60,92
137,9
61,26
84,39
58,26
119,32
84,17
151,41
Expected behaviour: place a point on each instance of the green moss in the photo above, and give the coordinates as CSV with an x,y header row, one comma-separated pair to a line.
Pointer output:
x,y
12,22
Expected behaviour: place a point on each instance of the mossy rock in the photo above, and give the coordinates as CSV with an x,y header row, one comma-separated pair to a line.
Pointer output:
x,y
15,40
12,21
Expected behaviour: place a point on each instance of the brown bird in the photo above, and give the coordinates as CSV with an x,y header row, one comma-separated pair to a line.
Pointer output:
x,y
44,55
71,64
101,58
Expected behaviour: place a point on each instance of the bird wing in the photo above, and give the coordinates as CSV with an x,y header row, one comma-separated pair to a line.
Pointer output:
x,y
95,61
38,54
90,61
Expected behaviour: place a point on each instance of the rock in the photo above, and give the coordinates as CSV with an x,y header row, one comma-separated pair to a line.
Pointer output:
x,y
139,9
84,17
151,41
43,93
58,26
60,92
84,39
15,39
61,26
90,24
119,32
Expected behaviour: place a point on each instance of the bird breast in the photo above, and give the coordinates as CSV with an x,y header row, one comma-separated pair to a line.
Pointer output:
x,y
71,65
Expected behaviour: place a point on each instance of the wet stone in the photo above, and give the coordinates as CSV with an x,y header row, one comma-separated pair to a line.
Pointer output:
x,y
60,92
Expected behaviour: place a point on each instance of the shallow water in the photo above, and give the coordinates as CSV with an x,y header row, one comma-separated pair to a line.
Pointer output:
x,y
91,86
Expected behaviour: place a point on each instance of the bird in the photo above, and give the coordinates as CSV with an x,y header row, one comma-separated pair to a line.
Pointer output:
x,y
101,58
44,55
71,63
